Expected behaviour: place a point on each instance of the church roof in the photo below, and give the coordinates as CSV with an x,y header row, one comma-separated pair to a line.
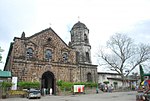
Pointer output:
x,y
79,25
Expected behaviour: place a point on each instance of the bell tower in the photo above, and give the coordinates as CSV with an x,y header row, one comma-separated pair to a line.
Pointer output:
x,y
80,42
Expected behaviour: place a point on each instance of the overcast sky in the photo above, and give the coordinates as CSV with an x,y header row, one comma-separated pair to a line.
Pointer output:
x,y
103,18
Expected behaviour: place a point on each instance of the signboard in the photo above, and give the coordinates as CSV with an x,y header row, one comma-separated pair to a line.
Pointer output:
x,y
78,88
14,82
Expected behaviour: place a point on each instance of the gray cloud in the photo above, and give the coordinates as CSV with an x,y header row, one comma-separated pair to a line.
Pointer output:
x,y
140,31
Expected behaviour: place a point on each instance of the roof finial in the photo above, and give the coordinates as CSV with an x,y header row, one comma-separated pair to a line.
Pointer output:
x,y
50,24
23,35
78,18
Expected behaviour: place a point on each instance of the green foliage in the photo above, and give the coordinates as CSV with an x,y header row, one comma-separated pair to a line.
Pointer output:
x,y
59,82
64,85
16,92
67,86
1,50
87,84
106,82
0,57
27,85
79,83
115,83
90,84
133,87
4,86
141,73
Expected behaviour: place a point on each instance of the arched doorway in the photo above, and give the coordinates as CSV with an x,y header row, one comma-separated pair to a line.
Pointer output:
x,y
89,77
48,81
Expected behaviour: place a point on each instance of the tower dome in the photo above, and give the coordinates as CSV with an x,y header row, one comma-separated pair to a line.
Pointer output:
x,y
79,25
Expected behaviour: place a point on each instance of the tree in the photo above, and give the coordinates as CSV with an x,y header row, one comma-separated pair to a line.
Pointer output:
x,y
5,85
141,73
123,55
1,50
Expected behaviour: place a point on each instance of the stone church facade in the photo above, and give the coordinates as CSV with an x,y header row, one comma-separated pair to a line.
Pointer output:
x,y
46,58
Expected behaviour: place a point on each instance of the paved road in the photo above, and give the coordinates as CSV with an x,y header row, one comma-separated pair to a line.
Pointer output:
x,y
115,96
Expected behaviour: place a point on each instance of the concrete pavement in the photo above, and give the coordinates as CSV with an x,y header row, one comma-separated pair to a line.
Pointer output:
x,y
115,96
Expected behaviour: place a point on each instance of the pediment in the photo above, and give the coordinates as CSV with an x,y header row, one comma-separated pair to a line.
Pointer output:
x,y
46,35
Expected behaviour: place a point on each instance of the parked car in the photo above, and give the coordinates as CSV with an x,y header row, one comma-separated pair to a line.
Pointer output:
x,y
33,93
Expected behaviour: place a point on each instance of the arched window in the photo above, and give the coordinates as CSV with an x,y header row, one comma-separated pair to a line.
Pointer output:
x,y
65,57
87,57
77,56
48,54
85,38
29,52
89,77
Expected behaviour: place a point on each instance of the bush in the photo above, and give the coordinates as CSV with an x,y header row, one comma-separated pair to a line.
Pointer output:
x,y
4,86
17,92
115,83
106,82
64,85
67,86
59,83
26,85
90,84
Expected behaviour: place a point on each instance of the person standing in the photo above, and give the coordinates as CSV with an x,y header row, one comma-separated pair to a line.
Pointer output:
x,y
50,91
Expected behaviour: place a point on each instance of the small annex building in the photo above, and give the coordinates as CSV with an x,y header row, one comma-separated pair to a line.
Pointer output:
x,y
4,76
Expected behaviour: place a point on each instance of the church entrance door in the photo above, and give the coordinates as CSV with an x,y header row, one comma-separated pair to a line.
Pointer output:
x,y
48,82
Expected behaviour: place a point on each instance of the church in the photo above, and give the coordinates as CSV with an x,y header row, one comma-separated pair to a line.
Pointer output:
x,y
46,58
